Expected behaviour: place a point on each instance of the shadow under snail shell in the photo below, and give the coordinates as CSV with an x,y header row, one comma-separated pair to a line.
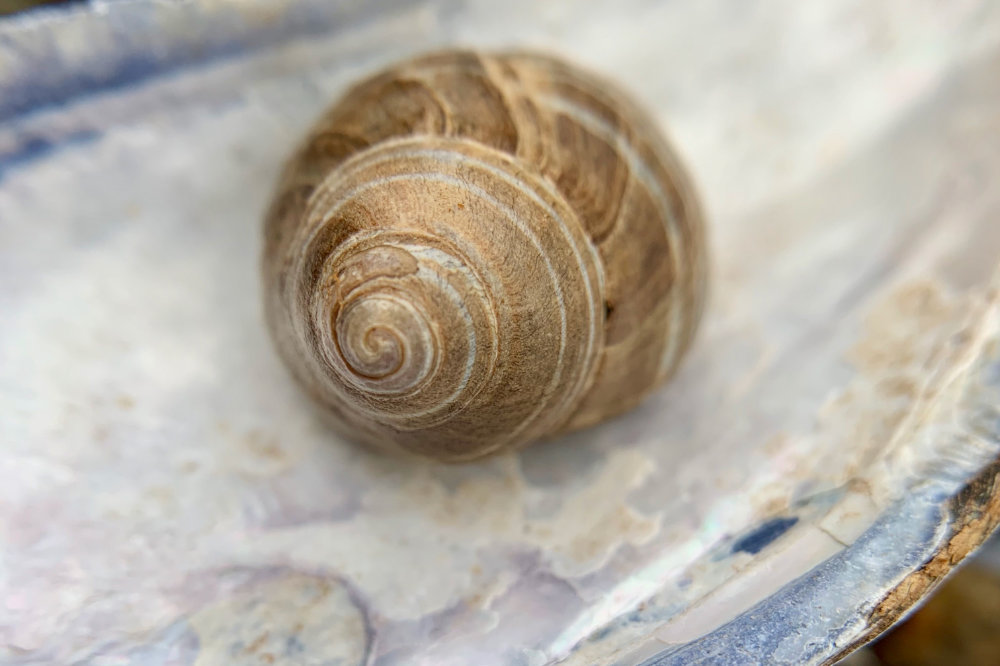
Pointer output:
x,y
470,252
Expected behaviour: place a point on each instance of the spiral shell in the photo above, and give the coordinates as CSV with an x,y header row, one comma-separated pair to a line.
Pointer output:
x,y
471,252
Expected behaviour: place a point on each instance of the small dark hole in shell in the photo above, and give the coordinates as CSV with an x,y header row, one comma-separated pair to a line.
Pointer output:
x,y
764,535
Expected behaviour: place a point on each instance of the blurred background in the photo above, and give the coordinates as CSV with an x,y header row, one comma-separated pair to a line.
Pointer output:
x,y
12,6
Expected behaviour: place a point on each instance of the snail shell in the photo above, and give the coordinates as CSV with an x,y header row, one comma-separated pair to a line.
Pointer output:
x,y
470,252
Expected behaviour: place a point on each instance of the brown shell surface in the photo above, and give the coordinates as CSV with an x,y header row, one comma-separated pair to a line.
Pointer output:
x,y
471,252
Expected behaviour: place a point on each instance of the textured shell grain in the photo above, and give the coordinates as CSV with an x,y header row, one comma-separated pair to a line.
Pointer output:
x,y
471,252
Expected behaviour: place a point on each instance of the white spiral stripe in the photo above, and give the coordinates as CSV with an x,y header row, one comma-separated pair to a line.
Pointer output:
x,y
572,393
438,257
442,259
671,226
384,152
358,378
512,217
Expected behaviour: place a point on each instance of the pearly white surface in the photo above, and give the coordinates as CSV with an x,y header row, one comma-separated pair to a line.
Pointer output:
x,y
160,473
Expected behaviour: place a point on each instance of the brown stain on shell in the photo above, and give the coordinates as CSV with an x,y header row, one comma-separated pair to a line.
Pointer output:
x,y
975,512
965,338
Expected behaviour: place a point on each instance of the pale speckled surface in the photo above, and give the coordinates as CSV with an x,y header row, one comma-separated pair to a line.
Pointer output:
x,y
166,495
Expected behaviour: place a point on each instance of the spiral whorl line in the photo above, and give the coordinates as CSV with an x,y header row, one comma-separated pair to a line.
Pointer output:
x,y
469,253
441,288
